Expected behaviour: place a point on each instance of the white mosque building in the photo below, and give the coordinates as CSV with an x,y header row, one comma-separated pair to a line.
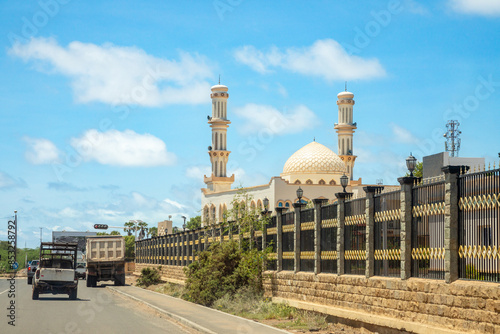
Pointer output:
x,y
315,168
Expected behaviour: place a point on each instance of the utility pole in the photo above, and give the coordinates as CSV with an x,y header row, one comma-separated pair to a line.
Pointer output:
x,y
41,235
452,135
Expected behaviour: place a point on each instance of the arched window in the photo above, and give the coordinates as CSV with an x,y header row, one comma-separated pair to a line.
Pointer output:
x,y
332,182
280,204
321,181
297,181
216,147
221,169
221,142
309,181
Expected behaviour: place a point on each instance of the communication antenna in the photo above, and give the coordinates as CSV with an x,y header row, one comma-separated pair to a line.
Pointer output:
x,y
452,135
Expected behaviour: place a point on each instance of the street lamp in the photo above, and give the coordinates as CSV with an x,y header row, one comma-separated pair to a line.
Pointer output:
x,y
344,181
300,192
266,204
411,163
184,225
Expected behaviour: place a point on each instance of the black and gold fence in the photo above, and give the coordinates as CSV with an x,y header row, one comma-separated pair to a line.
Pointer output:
x,y
366,236
427,243
479,226
387,233
355,236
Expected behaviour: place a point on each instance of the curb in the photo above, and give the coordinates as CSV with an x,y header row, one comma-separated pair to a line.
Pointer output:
x,y
180,319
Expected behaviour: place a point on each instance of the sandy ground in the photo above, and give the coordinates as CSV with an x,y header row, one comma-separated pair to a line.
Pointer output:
x,y
333,328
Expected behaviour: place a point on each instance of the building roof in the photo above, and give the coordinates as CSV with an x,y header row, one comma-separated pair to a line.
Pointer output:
x,y
314,158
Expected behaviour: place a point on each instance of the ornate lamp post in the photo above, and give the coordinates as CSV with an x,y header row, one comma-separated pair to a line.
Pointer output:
x,y
344,181
411,163
184,225
266,204
300,192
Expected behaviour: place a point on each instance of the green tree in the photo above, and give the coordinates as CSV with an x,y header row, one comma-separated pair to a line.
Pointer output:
x,y
129,227
194,223
130,247
175,229
153,231
115,233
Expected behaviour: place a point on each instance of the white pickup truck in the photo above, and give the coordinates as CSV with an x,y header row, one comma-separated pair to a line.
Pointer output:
x,y
56,273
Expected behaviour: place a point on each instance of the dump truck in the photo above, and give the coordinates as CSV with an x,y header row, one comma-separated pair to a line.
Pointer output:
x,y
56,272
105,259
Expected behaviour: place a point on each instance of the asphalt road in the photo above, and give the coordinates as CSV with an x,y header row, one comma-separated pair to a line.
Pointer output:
x,y
97,310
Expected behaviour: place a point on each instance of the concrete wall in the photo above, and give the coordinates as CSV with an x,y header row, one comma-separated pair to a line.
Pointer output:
x,y
459,306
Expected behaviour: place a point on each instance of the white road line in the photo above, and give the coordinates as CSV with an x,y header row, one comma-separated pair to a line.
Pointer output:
x,y
4,291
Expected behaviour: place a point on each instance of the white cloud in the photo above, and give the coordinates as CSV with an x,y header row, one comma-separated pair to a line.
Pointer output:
x,y
267,118
41,151
197,172
121,75
125,148
402,135
478,7
415,7
168,202
325,58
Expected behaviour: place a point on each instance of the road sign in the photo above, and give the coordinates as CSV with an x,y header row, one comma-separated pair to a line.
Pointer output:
x,y
100,226
15,265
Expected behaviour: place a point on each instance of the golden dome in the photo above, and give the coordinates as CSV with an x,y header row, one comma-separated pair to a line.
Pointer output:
x,y
314,158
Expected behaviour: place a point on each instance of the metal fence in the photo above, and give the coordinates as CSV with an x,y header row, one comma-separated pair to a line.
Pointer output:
x,y
307,240
328,243
479,226
271,243
288,241
355,236
387,234
427,242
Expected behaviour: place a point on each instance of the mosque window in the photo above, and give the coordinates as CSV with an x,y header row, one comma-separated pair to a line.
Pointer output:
x,y
321,181
297,182
332,182
287,204
280,204
309,181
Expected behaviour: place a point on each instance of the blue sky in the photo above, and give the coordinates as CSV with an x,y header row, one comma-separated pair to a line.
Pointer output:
x,y
104,104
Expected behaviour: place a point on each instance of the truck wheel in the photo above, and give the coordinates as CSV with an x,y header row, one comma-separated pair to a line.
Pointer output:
x,y
89,282
94,281
35,293
120,280
72,294
30,280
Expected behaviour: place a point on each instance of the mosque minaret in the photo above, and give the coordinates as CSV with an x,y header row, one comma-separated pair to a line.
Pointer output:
x,y
219,155
345,130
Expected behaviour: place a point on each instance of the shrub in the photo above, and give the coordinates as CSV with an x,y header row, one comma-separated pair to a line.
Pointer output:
x,y
149,276
221,270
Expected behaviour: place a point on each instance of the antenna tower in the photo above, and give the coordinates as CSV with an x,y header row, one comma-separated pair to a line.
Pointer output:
x,y
452,135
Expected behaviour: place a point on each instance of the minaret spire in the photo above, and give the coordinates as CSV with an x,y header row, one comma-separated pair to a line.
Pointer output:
x,y
345,129
219,155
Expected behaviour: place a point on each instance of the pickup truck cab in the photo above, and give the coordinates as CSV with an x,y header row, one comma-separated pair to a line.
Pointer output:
x,y
56,273
31,270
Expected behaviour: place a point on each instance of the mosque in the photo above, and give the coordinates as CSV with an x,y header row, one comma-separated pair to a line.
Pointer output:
x,y
314,168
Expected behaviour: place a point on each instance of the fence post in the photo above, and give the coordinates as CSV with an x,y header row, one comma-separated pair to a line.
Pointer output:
x,y
451,222
318,203
370,225
340,231
406,219
279,238
296,237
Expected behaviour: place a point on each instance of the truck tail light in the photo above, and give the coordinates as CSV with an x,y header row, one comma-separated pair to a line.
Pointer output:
x,y
37,274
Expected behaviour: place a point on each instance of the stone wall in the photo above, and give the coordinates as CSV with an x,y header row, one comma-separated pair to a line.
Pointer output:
x,y
174,274
461,306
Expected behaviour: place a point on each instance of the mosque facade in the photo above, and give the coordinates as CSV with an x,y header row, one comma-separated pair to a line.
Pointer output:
x,y
314,168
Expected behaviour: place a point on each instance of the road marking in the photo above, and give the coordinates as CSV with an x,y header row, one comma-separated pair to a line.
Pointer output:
x,y
4,291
